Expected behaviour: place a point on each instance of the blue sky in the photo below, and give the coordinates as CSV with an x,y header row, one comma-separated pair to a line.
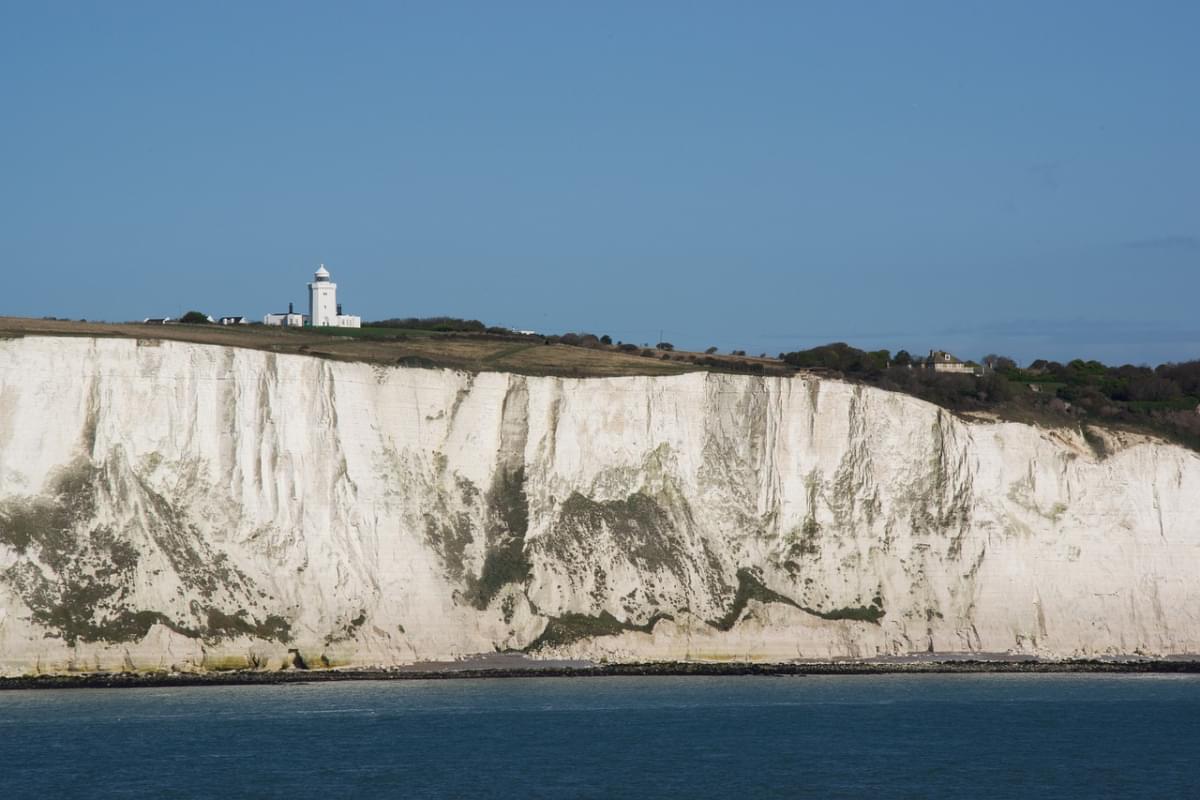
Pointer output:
x,y
1013,177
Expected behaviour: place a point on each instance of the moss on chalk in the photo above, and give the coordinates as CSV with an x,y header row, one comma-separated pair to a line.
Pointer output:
x,y
572,627
504,564
229,663
227,626
348,630
450,536
47,524
76,610
76,576
505,560
639,526
749,588
871,613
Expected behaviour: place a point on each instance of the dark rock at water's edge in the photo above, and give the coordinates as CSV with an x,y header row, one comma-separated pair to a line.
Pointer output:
x,y
131,680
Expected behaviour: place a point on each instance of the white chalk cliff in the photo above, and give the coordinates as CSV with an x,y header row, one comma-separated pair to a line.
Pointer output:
x,y
169,505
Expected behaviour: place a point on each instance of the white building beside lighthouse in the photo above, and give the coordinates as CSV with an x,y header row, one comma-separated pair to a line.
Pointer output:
x,y
323,308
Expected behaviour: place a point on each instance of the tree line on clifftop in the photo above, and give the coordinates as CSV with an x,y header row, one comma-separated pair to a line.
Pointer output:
x,y
1164,400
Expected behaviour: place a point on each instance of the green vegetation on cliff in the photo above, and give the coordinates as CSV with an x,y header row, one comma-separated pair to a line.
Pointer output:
x,y
505,561
1163,400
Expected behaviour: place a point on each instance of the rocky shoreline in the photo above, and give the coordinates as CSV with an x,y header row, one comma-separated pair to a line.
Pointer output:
x,y
131,680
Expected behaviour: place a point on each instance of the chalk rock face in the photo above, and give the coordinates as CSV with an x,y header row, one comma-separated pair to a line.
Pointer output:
x,y
169,505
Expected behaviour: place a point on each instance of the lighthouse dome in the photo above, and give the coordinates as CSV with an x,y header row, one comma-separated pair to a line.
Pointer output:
x,y
321,274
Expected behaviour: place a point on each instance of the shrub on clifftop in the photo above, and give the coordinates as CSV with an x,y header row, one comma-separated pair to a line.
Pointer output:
x,y
195,318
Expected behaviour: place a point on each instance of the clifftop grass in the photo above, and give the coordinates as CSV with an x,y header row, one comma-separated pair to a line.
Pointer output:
x,y
470,352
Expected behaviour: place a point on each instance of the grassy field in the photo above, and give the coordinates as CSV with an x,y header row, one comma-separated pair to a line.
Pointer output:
x,y
372,333
469,352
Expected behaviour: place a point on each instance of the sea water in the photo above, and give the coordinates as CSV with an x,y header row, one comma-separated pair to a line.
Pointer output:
x,y
739,737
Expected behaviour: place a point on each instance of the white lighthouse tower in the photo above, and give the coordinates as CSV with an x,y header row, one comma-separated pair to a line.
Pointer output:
x,y
322,300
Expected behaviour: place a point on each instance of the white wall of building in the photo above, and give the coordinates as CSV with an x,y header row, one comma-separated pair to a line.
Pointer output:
x,y
285,319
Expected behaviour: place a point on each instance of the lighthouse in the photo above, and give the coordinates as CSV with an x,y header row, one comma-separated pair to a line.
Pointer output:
x,y
323,309
322,299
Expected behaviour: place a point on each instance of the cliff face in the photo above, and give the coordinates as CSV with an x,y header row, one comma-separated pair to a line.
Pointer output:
x,y
173,505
